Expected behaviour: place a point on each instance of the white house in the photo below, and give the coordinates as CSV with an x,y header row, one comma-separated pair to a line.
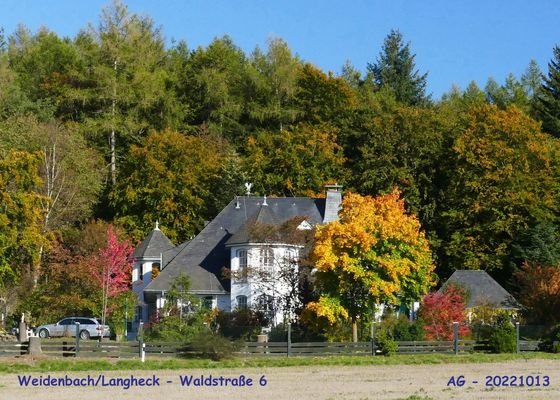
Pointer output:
x,y
258,266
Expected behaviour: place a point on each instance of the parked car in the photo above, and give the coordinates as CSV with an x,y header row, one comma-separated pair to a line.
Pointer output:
x,y
89,328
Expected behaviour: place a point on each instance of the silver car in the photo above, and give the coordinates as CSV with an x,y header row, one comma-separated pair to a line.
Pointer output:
x,y
89,327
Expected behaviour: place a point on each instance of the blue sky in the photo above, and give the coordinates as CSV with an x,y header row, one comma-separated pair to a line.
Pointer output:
x,y
455,41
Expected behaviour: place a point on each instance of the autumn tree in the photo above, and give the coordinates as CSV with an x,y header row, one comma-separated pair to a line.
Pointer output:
x,y
395,70
539,292
65,287
376,253
500,180
176,179
112,269
21,219
440,309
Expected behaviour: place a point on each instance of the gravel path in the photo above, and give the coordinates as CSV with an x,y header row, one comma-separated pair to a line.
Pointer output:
x,y
316,383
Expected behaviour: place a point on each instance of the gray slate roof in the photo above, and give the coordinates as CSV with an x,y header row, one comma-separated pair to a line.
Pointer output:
x,y
204,257
153,245
482,289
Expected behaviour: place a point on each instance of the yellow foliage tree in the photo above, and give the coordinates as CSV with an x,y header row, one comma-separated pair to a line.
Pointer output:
x,y
376,253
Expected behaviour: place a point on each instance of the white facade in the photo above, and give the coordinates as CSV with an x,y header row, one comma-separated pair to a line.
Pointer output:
x,y
261,274
141,277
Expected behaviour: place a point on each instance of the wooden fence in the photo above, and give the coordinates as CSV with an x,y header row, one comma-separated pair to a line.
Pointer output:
x,y
111,349
12,349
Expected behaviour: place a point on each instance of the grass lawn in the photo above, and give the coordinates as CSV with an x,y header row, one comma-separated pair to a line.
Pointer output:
x,y
26,364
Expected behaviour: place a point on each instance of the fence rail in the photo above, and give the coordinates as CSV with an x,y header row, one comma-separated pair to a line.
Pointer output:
x,y
110,349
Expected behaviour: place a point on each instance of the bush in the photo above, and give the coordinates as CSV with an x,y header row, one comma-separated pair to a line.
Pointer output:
x,y
299,334
503,338
215,347
174,329
385,342
240,324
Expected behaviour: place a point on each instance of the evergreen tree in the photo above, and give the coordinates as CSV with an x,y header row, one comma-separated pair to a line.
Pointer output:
x,y
548,99
395,70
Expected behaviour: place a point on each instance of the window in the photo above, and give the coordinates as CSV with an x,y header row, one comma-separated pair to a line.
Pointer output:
x,y
242,271
241,302
290,257
208,303
156,268
141,271
266,259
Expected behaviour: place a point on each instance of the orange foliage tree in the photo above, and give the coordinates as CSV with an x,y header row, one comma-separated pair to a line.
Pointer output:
x,y
540,292
376,253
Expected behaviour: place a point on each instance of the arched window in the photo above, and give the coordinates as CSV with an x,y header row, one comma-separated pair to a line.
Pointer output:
x,y
242,271
241,302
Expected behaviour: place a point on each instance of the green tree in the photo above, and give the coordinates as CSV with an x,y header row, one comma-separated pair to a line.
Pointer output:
x,y
125,87
548,97
272,86
375,254
215,79
513,93
295,162
395,70
392,145
47,68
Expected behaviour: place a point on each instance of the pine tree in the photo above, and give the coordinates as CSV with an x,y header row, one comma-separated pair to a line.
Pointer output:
x,y
395,71
548,99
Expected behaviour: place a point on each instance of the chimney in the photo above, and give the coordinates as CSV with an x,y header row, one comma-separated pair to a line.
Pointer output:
x,y
333,202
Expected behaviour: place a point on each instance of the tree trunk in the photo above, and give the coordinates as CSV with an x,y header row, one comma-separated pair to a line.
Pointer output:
x,y
354,329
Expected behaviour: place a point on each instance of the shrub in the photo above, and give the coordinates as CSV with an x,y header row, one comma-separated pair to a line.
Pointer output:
x,y
385,342
240,324
215,347
439,310
175,329
503,338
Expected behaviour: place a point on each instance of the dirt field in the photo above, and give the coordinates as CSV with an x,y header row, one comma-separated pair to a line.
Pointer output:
x,y
371,382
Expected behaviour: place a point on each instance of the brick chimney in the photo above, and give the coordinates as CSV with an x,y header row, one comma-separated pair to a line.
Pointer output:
x,y
333,202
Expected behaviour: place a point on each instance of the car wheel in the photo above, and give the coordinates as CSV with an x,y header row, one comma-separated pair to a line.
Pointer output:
x,y
84,335
43,334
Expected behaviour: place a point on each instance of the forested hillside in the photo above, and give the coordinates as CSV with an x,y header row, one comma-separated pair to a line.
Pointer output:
x,y
113,126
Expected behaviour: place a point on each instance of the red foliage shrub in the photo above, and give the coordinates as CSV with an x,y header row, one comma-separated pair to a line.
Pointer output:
x,y
440,310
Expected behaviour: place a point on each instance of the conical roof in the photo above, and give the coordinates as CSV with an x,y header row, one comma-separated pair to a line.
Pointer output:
x,y
153,245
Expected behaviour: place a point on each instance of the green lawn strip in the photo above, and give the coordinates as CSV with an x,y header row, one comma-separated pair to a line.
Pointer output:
x,y
65,365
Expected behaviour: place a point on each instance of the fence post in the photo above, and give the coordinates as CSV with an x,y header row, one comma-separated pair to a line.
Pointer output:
x,y
141,345
456,337
517,349
289,340
77,338
373,338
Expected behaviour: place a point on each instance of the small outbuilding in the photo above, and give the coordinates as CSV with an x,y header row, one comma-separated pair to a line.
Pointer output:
x,y
482,290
